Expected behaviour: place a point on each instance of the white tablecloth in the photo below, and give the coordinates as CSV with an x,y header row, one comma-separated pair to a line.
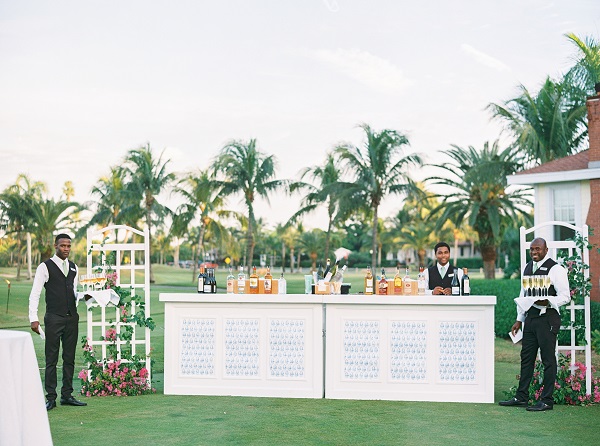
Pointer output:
x,y
101,297
23,415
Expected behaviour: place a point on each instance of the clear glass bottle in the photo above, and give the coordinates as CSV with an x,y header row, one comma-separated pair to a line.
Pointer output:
x,y
241,281
282,285
407,283
230,281
421,281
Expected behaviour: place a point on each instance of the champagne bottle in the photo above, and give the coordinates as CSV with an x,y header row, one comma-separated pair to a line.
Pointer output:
x,y
466,283
241,281
339,275
407,283
213,281
201,279
397,282
369,281
268,281
320,275
455,284
332,272
421,281
230,281
327,269
282,288
383,284
254,281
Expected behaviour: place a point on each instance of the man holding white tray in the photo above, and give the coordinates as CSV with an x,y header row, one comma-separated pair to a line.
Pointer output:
x,y
540,320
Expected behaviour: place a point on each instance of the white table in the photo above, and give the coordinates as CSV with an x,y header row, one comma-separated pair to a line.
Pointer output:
x,y
23,415
408,348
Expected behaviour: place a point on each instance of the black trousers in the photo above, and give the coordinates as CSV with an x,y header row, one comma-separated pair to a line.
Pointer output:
x,y
60,330
539,332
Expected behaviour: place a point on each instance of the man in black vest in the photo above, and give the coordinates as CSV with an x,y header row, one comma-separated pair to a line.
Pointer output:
x,y
541,326
58,276
438,277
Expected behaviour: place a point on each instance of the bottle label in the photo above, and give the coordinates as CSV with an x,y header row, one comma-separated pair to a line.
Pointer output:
x,y
253,282
241,286
267,285
383,287
201,284
466,287
455,291
207,288
230,286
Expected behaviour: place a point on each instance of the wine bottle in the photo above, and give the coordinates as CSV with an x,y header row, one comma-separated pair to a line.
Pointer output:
x,y
208,287
282,285
230,281
213,281
320,275
201,280
332,272
421,281
466,283
397,282
383,284
455,284
327,269
254,281
241,281
369,281
268,281
339,275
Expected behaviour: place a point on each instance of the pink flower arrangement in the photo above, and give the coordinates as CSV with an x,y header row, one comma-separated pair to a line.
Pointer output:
x,y
116,379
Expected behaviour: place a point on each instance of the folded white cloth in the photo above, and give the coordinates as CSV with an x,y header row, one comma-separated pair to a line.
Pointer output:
x,y
102,297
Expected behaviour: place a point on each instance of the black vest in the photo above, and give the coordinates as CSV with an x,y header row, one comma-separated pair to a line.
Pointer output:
x,y
542,270
436,280
60,295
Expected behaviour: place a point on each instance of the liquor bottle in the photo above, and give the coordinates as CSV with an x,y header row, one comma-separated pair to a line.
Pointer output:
x,y
230,281
201,280
455,284
320,275
241,281
369,281
282,288
208,287
466,283
397,282
268,281
421,282
329,275
383,284
407,283
339,275
254,281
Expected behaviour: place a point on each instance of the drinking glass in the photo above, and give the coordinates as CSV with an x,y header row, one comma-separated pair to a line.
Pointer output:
x,y
547,284
526,285
308,280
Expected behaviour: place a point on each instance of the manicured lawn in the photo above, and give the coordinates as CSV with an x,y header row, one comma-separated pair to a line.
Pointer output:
x,y
197,420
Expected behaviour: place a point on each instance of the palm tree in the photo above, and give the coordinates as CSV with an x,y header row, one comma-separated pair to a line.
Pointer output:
x,y
379,169
241,168
311,242
478,195
51,217
203,202
326,192
546,126
146,178
586,72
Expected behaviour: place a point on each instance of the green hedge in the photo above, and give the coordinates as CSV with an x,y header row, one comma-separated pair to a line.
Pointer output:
x,y
473,263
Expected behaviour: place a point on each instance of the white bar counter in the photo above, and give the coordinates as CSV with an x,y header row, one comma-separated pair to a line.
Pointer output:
x,y
408,348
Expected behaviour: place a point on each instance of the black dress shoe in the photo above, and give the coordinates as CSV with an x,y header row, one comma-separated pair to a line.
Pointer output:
x,y
71,402
513,402
50,404
540,407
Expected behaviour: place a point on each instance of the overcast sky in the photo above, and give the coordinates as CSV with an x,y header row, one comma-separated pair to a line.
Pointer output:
x,y
82,81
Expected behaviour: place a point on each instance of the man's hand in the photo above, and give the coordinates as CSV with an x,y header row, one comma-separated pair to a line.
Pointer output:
x,y
35,326
516,327
447,291
438,290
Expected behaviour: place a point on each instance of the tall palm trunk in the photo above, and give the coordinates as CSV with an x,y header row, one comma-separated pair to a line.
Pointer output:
x,y
292,260
199,251
488,254
250,238
374,241
282,257
29,274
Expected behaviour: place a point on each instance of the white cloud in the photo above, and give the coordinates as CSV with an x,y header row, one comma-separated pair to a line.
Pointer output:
x,y
485,59
366,68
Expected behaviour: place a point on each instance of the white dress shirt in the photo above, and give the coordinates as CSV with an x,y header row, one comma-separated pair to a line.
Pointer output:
x,y
439,267
560,280
41,277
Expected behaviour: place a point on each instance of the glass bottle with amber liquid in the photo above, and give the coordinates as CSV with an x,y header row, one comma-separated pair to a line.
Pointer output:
x,y
369,281
382,287
254,281
397,282
268,281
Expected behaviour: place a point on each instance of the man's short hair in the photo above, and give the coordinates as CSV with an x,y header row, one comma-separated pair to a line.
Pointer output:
x,y
59,236
441,245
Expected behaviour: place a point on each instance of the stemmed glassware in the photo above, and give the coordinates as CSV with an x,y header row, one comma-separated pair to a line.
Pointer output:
x,y
526,281
546,283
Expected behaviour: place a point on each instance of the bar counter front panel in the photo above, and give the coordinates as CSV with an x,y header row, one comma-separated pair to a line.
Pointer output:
x,y
407,348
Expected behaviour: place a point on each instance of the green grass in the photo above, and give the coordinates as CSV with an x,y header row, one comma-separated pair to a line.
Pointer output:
x,y
208,420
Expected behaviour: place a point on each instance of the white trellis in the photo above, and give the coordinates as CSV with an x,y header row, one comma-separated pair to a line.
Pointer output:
x,y
571,247
132,260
